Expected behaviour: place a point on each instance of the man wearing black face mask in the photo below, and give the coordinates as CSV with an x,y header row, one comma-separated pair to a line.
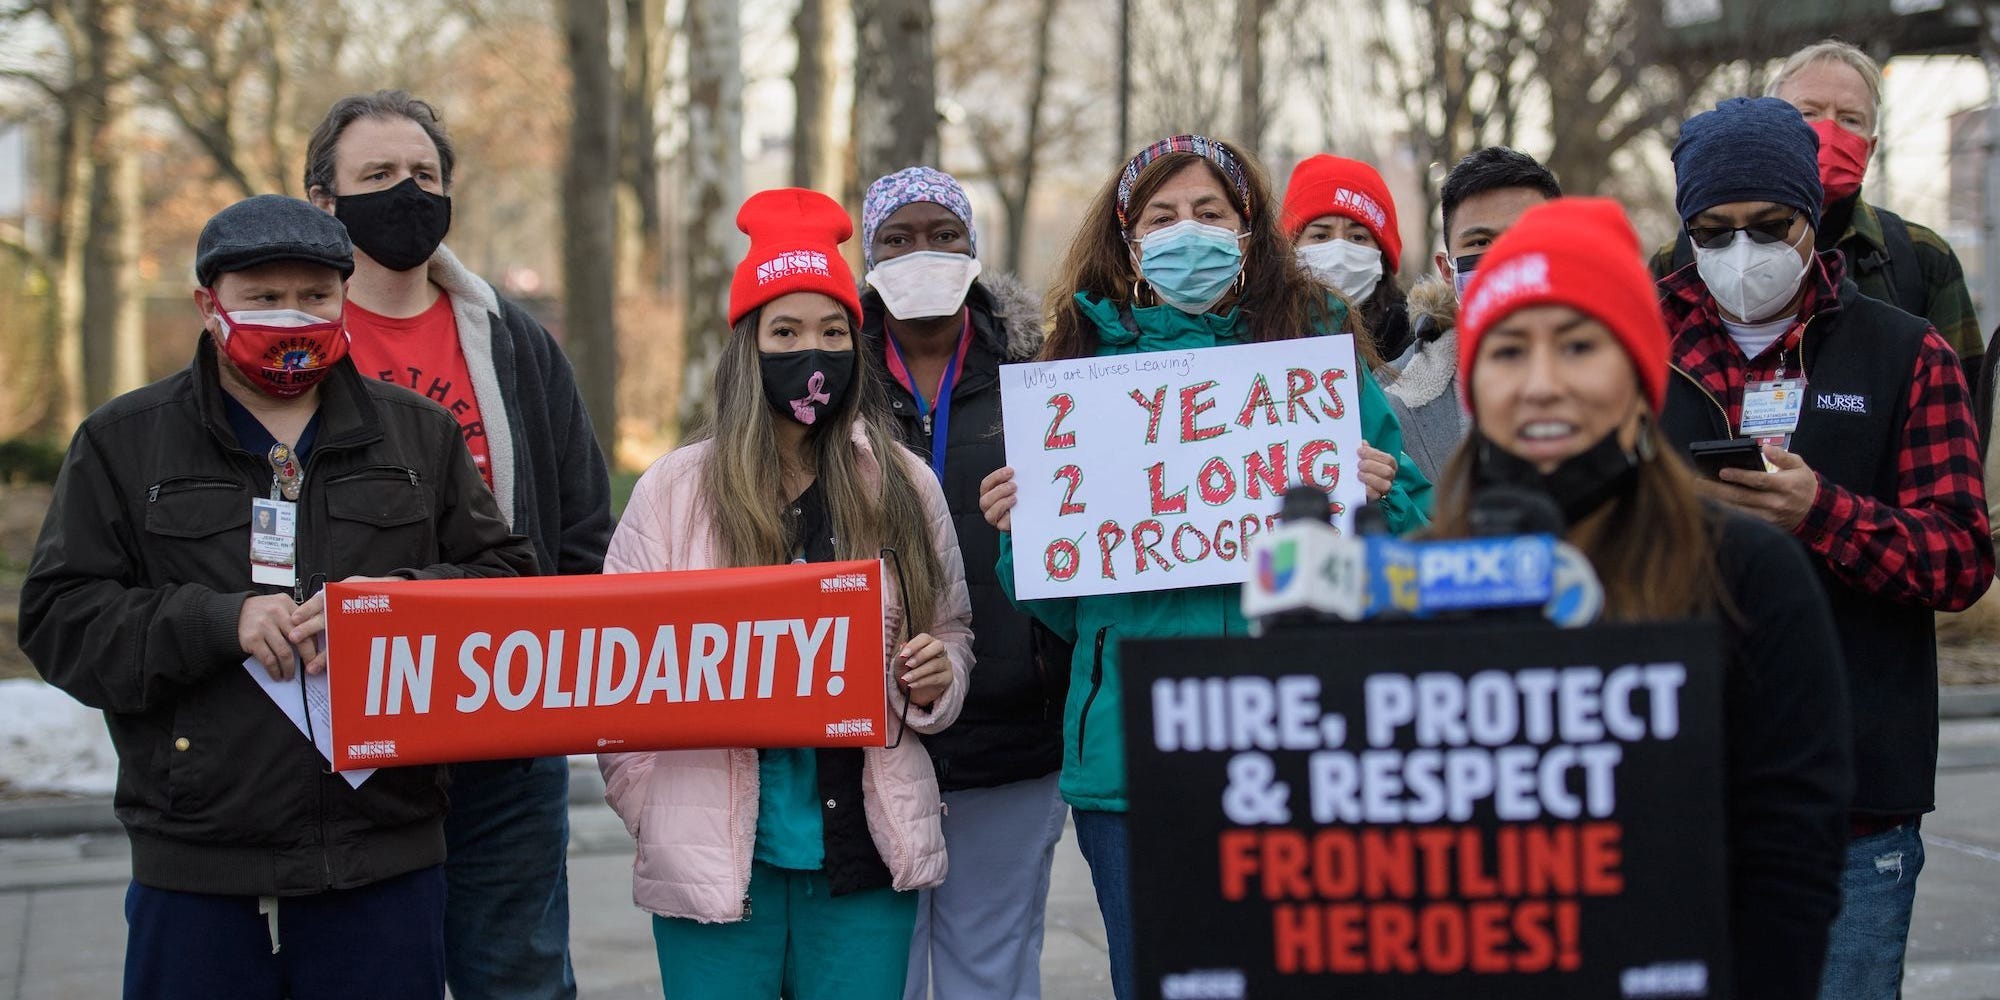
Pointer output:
x,y
382,164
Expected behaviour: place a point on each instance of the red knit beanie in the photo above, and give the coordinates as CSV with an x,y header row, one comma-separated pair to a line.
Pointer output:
x,y
1334,185
1576,252
795,238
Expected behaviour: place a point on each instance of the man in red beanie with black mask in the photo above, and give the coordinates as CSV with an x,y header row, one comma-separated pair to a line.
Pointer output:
x,y
176,586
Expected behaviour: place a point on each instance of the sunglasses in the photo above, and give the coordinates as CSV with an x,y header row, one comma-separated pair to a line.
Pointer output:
x,y
1766,233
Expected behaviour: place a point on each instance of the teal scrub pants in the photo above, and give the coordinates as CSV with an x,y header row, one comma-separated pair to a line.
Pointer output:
x,y
798,942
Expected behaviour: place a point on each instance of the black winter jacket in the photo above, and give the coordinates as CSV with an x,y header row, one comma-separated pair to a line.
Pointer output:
x,y
131,606
1011,727
1787,769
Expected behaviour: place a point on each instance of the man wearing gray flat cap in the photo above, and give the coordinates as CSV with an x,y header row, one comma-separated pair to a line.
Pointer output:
x,y
257,872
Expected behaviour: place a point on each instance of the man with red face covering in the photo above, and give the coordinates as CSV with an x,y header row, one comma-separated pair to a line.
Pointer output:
x,y
1839,91
178,573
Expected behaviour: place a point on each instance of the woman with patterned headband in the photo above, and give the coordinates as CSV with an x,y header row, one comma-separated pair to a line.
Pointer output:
x,y
1181,250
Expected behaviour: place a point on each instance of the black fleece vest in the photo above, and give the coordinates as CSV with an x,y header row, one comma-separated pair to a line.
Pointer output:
x,y
1858,364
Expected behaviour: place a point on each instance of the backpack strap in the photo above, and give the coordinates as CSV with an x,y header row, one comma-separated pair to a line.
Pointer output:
x,y
1906,279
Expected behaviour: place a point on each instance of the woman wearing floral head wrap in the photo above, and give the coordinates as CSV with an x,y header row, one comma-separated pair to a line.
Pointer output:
x,y
937,329
1181,250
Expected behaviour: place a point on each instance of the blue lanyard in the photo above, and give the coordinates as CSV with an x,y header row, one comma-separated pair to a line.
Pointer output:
x,y
936,415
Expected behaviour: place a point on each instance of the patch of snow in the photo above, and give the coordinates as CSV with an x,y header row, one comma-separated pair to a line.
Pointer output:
x,y
49,743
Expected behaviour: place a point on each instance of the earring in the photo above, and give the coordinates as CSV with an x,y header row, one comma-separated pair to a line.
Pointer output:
x,y
1646,447
1141,291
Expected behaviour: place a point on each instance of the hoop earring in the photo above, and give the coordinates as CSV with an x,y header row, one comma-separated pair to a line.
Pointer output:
x,y
1645,448
1141,291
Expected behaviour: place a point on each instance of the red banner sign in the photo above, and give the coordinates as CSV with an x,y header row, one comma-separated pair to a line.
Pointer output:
x,y
434,671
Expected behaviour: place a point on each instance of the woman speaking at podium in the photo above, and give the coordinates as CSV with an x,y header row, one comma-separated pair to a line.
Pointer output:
x,y
1562,354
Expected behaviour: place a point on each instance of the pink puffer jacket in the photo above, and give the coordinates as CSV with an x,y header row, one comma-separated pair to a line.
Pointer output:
x,y
694,812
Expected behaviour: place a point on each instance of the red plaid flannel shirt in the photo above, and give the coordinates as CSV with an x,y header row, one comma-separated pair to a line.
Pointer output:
x,y
1929,546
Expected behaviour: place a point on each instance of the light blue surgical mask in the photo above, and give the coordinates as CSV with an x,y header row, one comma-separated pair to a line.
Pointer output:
x,y
1191,265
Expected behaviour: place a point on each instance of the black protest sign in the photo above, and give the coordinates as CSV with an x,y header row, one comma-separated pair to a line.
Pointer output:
x,y
1469,809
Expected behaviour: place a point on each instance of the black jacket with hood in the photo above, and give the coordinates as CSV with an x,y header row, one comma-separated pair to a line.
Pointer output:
x,y
1011,727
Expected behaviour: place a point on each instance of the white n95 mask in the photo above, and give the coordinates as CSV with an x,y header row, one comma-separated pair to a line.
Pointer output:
x,y
1752,280
924,285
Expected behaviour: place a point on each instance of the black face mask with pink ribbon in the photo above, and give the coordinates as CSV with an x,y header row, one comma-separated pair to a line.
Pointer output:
x,y
807,385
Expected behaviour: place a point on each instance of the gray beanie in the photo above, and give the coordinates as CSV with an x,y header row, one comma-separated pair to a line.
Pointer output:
x,y
270,227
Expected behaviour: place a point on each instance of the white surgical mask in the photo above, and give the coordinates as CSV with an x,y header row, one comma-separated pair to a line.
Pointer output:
x,y
1753,281
1461,272
1344,265
924,285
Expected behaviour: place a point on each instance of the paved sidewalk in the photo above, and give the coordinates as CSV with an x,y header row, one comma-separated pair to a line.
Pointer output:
x,y
62,927
62,930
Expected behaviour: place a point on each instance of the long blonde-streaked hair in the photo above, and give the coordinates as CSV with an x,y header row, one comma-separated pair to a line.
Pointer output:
x,y
741,479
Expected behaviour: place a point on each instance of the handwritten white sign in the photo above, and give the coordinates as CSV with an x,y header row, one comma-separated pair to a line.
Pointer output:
x,y
1153,471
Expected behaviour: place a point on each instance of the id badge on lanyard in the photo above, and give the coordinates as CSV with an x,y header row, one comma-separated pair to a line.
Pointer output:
x,y
1771,410
274,523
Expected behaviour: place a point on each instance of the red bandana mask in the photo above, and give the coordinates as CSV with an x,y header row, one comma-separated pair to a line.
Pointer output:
x,y
283,352
1843,159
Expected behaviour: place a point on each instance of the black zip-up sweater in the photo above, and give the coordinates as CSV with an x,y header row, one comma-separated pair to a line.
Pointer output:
x,y
1011,726
131,606
1787,770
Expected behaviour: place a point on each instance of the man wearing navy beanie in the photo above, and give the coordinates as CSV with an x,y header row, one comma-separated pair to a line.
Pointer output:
x,y
1871,461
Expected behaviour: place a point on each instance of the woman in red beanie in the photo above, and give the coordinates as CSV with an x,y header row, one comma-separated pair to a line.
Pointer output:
x,y
770,870
1342,224
1563,361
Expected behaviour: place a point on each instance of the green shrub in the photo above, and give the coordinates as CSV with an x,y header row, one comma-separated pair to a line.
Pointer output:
x,y
30,460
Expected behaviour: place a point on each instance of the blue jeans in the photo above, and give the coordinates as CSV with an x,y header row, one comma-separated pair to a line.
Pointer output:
x,y
1106,843
1878,887
506,930
384,941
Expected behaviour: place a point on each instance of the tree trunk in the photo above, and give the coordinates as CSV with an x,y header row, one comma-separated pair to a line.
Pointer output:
x,y
67,399
114,344
642,84
813,163
1250,73
895,87
280,132
590,216
715,189
1018,200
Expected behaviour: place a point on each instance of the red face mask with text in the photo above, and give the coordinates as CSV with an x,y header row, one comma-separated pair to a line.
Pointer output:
x,y
283,352
1843,159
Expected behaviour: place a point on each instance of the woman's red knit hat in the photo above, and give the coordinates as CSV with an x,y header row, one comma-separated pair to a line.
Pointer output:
x,y
795,237
1334,185
1576,252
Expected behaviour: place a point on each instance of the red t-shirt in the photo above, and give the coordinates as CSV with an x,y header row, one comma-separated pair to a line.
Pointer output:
x,y
421,353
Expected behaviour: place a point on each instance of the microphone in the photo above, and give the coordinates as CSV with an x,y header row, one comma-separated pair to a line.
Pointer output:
x,y
1307,572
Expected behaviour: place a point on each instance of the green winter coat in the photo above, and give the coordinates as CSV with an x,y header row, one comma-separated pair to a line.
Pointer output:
x,y
1093,770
